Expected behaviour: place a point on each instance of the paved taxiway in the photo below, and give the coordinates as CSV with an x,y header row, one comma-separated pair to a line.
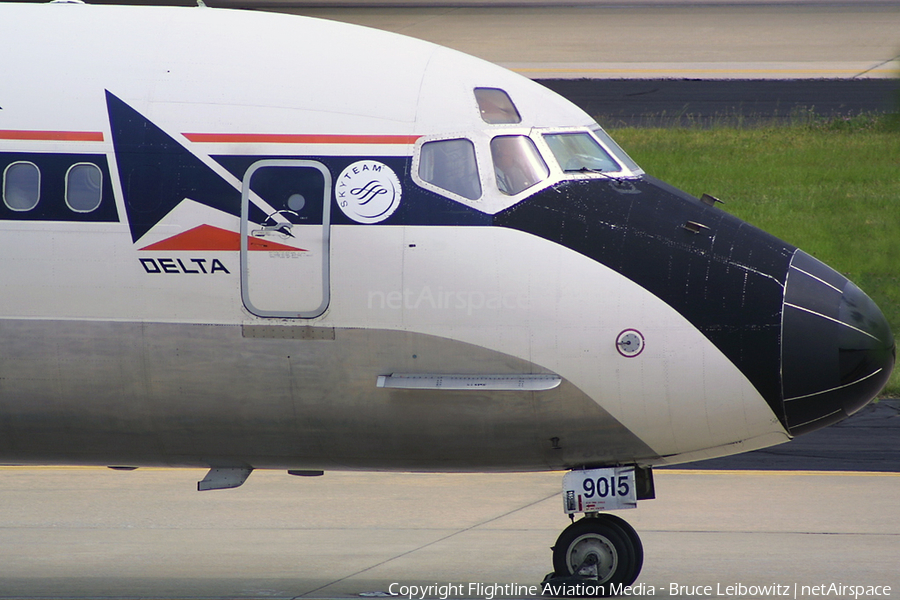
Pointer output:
x,y
91,533
727,40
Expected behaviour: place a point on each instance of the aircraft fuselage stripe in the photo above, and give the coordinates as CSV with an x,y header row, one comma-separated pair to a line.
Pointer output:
x,y
819,279
840,387
53,136
294,138
241,138
832,319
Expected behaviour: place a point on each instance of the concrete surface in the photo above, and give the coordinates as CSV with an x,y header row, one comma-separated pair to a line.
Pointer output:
x,y
641,39
725,40
95,533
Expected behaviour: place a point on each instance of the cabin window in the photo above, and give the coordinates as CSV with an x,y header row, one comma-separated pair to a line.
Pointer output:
x,y
517,163
84,187
451,165
496,107
579,152
21,186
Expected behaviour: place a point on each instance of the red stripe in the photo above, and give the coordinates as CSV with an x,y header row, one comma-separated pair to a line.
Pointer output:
x,y
206,237
55,136
299,138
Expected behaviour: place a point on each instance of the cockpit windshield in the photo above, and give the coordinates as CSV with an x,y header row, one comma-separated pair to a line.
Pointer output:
x,y
617,151
451,165
517,163
579,151
495,167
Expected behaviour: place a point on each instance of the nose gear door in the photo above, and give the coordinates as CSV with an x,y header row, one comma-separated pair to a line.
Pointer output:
x,y
285,257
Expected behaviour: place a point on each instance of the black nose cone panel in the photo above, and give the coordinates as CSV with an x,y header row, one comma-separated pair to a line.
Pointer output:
x,y
837,348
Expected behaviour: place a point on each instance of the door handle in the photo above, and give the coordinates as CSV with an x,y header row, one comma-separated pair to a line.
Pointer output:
x,y
284,227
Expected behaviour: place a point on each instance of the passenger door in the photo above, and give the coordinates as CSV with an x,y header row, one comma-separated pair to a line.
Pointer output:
x,y
285,258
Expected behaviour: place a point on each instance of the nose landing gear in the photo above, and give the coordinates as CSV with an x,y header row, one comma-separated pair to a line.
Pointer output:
x,y
600,554
596,556
601,548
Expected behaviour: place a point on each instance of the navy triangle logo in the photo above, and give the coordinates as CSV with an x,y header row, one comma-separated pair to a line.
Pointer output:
x,y
157,172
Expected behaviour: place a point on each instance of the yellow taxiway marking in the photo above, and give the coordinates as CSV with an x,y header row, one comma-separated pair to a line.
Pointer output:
x,y
776,473
617,71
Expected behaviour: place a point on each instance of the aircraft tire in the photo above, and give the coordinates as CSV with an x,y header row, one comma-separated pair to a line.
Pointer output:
x,y
635,542
618,561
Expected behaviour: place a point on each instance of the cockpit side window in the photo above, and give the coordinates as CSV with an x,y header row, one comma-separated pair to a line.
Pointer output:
x,y
580,152
496,107
451,165
617,151
517,163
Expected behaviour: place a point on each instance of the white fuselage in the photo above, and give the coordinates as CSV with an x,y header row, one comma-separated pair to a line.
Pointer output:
x,y
130,338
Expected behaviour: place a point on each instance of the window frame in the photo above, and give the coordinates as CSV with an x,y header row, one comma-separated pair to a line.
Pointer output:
x,y
479,162
612,147
3,191
558,172
492,200
481,108
99,188
584,135
548,174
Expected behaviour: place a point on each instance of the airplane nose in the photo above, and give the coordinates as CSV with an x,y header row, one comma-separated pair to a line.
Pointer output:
x,y
837,348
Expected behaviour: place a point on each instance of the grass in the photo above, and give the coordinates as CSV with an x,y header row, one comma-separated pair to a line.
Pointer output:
x,y
830,187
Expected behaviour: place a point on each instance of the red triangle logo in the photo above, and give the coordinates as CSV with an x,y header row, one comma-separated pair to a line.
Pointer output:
x,y
207,237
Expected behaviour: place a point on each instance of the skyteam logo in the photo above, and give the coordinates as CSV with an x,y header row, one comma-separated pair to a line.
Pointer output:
x,y
368,191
